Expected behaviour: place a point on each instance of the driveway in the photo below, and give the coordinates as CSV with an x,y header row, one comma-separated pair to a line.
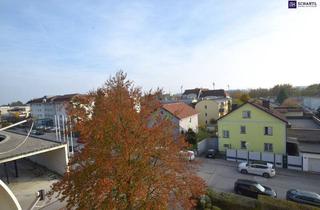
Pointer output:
x,y
220,175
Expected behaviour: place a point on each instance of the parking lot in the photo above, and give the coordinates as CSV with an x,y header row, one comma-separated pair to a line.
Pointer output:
x,y
220,175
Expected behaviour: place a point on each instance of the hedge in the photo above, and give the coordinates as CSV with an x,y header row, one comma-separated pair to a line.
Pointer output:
x,y
229,201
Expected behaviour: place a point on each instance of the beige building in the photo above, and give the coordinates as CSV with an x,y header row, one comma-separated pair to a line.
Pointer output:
x,y
210,110
212,105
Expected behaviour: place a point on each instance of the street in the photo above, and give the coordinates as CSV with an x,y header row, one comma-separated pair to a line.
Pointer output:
x,y
220,175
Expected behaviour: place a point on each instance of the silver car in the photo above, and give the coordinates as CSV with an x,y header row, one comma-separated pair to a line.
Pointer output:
x,y
264,169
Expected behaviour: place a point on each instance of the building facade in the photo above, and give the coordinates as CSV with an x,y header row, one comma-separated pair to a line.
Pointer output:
x,y
212,105
208,112
47,107
182,115
253,127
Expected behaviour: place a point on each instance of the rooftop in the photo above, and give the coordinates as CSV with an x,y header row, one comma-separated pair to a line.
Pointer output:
x,y
309,147
303,123
51,99
193,91
180,110
270,111
215,93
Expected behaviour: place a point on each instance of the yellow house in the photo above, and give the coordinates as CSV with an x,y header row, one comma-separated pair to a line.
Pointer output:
x,y
253,127
210,110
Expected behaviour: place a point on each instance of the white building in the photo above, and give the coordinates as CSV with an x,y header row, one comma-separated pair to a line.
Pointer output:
x,y
47,107
183,115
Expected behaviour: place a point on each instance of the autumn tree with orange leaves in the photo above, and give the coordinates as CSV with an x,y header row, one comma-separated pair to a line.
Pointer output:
x,y
131,158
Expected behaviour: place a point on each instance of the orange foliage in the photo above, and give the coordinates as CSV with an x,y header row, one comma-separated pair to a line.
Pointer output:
x,y
126,163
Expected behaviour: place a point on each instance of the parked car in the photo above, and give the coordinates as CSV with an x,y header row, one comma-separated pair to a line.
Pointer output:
x,y
50,129
211,153
266,170
252,189
304,197
188,154
37,132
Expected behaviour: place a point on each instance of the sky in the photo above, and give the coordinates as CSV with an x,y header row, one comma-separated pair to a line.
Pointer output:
x,y
58,47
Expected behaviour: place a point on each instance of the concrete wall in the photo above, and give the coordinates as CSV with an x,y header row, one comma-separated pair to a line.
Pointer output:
x,y
209,143
55,160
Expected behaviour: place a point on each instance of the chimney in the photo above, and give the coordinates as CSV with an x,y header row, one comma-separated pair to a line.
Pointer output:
x,y
266,103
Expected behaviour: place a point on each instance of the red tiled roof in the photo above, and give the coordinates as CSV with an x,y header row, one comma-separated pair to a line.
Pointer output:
x,y
180,110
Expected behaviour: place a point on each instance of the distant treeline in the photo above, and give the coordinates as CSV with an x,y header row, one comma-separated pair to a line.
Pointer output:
x,y
311,90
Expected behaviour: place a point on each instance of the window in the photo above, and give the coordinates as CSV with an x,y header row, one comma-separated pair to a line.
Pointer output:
x,y
246,114
268,131
190,119
205,106
227,146
206,121
243,145
226,134
206,114
268,147
243,129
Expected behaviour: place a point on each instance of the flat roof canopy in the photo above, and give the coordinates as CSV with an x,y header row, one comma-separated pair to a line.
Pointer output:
x,y
32,146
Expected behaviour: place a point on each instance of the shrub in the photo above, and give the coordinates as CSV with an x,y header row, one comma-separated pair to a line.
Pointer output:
x,y
229,201
277,204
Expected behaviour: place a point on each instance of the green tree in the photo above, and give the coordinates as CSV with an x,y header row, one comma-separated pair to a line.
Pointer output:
x,y
16,103
191,137
244,97
311,90
282,95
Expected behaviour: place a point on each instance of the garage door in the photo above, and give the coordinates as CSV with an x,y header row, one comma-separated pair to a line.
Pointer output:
x,y
314,164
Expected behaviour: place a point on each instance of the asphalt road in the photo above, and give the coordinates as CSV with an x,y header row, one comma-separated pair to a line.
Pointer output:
x,y
220,175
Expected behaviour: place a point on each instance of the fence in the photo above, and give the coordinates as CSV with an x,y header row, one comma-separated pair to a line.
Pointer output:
x,y
295,162
244,155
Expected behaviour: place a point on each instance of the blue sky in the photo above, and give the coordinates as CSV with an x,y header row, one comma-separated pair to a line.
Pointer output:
x,y
57,47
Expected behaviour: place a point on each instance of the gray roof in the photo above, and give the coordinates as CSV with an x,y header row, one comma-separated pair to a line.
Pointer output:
x,y
216,93
303,123
305,135
309,148
29,146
